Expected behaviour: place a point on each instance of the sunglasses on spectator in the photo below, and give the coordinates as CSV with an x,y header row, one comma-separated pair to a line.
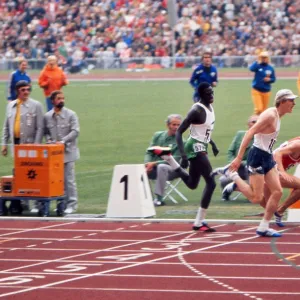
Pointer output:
x,y
25,90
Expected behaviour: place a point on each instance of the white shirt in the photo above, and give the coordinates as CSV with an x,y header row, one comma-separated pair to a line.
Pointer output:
x,y
202,132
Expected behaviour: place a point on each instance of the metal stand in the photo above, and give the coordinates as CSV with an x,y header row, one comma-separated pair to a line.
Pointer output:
x,y
43,205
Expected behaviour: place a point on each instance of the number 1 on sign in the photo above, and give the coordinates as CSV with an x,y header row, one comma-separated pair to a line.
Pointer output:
x,y
125,180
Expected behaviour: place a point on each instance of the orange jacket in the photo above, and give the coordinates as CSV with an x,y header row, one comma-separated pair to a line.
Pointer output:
x,y
52,79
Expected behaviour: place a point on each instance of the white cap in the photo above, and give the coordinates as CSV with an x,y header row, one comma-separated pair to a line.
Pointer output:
x,y
284,94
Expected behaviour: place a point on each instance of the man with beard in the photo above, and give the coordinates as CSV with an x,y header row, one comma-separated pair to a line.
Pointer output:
x,y
200,120
62,126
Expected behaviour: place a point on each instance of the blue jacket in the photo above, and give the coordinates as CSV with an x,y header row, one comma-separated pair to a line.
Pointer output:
x,y
15,77
203,74
261,71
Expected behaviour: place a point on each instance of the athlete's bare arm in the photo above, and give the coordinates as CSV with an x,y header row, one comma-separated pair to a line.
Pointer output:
x,y
264,122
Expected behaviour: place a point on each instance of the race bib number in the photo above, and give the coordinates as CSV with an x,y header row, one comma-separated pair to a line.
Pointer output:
x,y
199,147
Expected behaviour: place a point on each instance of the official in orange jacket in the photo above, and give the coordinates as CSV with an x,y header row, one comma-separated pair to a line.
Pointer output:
x,y
52,78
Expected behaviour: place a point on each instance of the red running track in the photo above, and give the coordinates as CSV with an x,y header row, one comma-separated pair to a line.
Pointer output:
x,y
127,260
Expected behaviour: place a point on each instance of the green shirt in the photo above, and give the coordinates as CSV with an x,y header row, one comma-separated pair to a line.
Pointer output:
x,y
235,146
161,138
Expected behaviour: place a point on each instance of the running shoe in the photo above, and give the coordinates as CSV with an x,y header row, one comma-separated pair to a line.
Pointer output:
x,y
204,228
159,151
268,233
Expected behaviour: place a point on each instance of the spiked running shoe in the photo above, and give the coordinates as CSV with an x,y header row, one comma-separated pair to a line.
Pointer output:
x,y
278,219
204,228
268,233
220,171
159,151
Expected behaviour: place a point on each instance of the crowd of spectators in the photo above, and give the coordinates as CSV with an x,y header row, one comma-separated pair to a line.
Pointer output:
x,y
105,29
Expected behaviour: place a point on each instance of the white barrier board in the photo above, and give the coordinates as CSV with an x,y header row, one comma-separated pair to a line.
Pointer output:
x,y
130,194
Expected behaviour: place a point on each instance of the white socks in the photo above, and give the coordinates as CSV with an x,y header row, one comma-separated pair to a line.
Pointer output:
x,y
200,217
263,226
171,161
233,175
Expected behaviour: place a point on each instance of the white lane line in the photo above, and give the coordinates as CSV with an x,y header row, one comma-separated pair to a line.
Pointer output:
x,y
156,263
92,234
36,229
202,275
262,293
247,229
119,268
61,240
46,243
145,231
146,224
118,229
156,276
30,246
77,237
89,252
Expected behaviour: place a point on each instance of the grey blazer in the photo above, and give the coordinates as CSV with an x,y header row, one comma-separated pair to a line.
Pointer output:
x,y
63,127
31,127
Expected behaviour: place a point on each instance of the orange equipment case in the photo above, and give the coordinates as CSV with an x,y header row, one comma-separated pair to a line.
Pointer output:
x,y
39,170
7,186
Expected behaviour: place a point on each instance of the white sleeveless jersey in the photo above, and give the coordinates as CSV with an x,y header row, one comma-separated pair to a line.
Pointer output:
x,y
266,142
202,132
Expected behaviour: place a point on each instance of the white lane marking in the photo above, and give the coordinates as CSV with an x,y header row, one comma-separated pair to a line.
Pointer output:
x,y
36,229
119,268
247,229
92,233
118,229
77,237
46,243
30,246
191,267
154,263
143,231
160,291
89,252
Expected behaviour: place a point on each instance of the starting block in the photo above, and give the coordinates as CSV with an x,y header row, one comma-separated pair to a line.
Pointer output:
x,y
294,210
130,194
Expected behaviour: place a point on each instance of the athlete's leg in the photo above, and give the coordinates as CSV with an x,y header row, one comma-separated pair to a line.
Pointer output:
x,y
273,183
210,184
291,199
192,178
291,182
253,191
200,166
266,197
